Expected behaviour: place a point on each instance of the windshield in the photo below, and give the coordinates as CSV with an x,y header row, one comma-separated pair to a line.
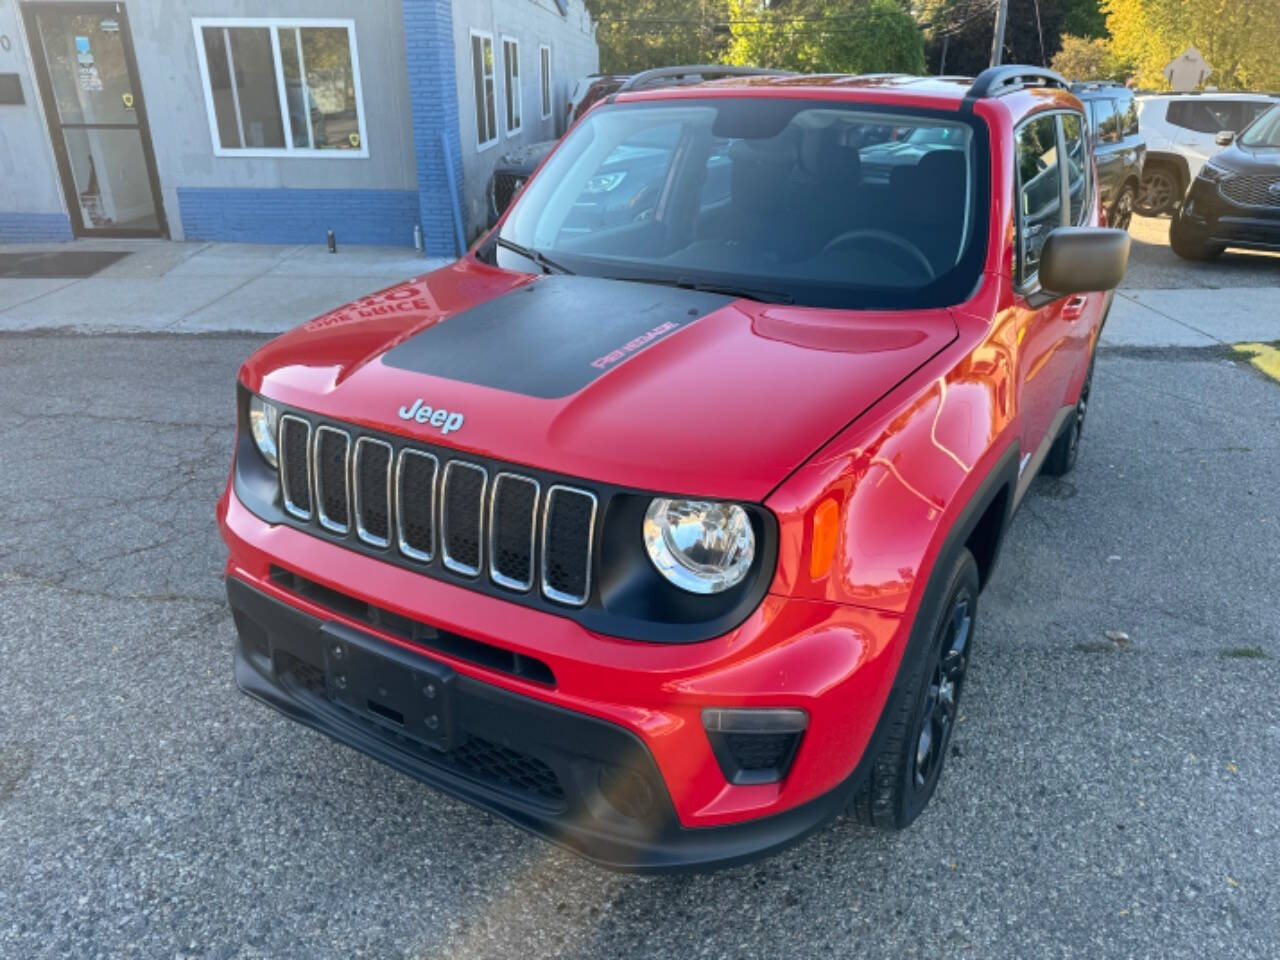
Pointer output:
x,y
1263,132
764,198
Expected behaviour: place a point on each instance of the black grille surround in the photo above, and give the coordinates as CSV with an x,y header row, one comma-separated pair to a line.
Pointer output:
x,y
586,535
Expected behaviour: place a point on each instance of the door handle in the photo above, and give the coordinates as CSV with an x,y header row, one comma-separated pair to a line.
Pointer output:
x,y
1073,309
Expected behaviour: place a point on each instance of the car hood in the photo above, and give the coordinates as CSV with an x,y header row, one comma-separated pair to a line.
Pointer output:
x,y
525,159
633,384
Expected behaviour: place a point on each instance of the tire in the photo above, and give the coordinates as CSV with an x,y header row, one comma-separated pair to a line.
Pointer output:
x,y
1121,213
927,693
1062,455
1160,192
1188,246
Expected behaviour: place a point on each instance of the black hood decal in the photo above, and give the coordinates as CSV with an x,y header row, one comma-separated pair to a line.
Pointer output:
x,y
554,336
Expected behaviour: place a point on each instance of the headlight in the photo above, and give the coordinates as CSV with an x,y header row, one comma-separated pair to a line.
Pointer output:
x,y
264,423
1212,172
699,545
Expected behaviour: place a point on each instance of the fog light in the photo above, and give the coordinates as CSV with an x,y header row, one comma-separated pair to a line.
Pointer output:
x,y
754,746
627,791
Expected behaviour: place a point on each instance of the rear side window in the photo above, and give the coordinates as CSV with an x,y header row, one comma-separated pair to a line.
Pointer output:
x,y
1250,110
1203,116
1107,120
1039,191
1129,115
1077,165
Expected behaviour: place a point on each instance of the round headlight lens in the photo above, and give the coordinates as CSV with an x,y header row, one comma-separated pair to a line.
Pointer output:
x,y
702,546
264,423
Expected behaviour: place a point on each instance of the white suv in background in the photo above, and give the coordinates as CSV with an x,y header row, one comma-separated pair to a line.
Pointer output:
x,y
1180,130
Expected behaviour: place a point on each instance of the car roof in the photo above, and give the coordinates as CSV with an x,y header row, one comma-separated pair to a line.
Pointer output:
x,y
945,92
1208,95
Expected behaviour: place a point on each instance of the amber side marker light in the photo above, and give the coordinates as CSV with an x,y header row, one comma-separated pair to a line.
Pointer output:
x,y
826,528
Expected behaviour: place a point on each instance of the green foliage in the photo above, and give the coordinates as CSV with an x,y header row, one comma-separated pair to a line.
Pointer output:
x,y
637,35
1089,58
824,36
1237,37
964,27
1083,18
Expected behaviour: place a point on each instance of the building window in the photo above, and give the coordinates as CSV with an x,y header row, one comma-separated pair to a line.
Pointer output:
x,y
544,60
511,83
281,88
482,74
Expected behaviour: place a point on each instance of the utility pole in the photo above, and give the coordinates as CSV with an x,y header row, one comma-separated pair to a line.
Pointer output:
x,y
997,42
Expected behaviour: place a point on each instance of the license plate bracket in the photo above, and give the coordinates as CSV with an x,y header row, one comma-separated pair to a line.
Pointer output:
x,y
393,688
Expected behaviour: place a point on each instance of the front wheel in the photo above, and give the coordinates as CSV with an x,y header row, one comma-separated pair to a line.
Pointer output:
x,y
1188,245
923,708
1062,455
1121,214
1161,189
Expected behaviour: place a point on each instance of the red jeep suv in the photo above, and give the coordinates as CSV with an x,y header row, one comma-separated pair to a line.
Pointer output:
x,y
661,534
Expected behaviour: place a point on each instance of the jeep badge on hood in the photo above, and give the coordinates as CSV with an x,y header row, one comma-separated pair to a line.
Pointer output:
x,y
446,421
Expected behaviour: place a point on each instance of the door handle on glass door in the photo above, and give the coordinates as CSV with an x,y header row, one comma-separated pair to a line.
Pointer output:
x,y
1073,309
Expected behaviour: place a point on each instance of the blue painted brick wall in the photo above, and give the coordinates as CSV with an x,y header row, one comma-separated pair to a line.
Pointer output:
x,y
34,227
243,215
433,98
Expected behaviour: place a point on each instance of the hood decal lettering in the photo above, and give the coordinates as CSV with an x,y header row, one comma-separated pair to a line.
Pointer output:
x,y
552,337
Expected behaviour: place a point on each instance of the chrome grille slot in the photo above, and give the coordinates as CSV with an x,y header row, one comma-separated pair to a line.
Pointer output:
x,y
332,466
295,465
416,474
462,516
372,473
513,514
568,530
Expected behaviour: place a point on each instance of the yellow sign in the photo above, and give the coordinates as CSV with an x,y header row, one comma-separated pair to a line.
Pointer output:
x,y
127,99
355,139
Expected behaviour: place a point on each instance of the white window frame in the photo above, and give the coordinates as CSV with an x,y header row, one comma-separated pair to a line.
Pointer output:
x,y
545,84
274,25
483,145
516,94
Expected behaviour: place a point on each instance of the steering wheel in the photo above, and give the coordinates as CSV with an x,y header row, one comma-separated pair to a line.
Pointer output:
x,y
865,235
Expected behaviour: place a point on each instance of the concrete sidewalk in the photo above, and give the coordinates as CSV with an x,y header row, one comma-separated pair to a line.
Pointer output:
x,y
208,288
203,287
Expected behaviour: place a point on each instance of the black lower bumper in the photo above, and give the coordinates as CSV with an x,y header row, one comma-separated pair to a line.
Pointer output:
x,y
585,784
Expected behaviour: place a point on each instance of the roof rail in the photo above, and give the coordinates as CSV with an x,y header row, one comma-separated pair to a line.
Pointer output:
x,y
702,71
997,81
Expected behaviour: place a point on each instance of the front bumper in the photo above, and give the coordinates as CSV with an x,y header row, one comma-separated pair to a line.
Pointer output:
x,y
562,775
626,704
1212,218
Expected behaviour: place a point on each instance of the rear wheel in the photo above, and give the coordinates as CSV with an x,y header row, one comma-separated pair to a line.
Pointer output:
x,y
923,708
1161,190
1190,246
1122,210
1062,455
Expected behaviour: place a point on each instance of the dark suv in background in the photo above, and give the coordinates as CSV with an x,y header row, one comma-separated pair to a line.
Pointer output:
x,y
1235,199
1118,147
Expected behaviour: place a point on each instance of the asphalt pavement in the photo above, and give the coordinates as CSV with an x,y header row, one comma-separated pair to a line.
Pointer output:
x,y
1105,798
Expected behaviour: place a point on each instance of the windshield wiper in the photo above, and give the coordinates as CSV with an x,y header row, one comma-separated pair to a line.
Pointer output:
x,y
760,294
541,259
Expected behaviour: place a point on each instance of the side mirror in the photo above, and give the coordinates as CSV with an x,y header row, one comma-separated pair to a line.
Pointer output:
x,y
1224,138
1081,260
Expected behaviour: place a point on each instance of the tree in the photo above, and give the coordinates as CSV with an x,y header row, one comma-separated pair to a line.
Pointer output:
x,y
636,35
1088,58
964,28
1083,18
824,36
1237,37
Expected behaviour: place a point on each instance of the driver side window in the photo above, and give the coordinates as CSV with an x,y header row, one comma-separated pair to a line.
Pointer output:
x,y
1039,192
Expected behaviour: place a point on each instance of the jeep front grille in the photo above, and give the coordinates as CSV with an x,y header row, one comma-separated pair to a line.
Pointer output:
x,y
431,510
1252,190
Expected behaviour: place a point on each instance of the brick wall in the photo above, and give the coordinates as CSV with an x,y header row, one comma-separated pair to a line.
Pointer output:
x,y
433,98
240,215
34,227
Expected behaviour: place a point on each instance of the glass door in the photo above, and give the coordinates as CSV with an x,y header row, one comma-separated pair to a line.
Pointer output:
x,y
92,99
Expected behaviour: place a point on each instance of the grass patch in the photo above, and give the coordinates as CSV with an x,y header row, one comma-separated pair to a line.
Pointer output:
x,y
1244,653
